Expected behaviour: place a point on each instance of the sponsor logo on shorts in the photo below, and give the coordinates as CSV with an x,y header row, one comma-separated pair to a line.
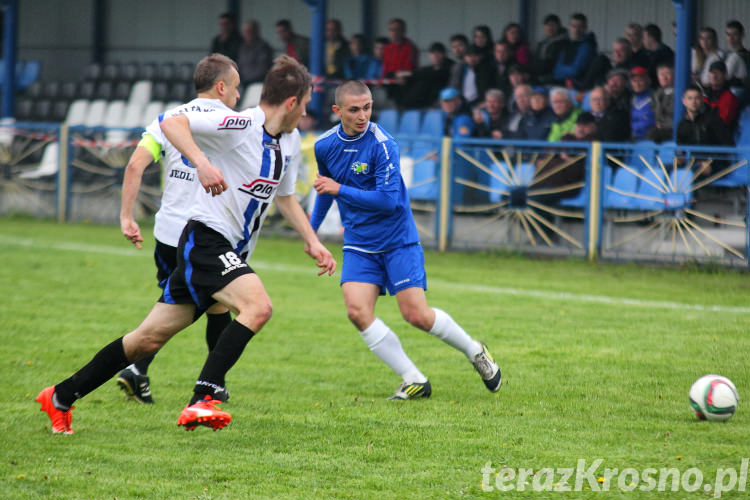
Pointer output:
x,y
402,282
234,123
261,189
359,167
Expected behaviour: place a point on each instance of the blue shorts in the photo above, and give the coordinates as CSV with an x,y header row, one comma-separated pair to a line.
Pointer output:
x,y
394,270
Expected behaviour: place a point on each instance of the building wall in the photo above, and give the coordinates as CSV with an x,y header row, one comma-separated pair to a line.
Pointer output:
x,y
59,33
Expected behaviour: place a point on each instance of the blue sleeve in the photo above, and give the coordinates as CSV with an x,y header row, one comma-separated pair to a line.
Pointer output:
x,y
584,54
384,198
323,203
462,121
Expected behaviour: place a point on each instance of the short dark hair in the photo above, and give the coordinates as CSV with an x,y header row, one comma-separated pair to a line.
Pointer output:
x,y
211,69
284,23
653,31
353,87
551,18
460,37
708,29
287,78
383,40
580,17
735,24
585,118
692,87
229,16
665,64
437,47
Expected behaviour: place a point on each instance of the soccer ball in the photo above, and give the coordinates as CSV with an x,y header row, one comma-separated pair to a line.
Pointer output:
x,y
714,397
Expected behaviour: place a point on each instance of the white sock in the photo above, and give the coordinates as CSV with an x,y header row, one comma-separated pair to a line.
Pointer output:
x,y
450,332
134,369
385,345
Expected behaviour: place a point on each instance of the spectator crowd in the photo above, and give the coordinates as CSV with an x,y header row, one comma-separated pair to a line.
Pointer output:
x,y
505,87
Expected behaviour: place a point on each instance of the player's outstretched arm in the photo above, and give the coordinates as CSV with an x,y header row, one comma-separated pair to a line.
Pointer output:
x,y
131,183
292,212
378,200
177,131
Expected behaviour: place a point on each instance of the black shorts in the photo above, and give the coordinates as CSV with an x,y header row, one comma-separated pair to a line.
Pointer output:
x,y
165,257
206,263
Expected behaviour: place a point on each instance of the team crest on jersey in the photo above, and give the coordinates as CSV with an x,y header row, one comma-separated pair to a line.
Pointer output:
x,y
234,123
359,167
260,189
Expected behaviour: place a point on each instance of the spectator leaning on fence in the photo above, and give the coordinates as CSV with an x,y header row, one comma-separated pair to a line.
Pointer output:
x,y
701,125
456,122
565,111
613,124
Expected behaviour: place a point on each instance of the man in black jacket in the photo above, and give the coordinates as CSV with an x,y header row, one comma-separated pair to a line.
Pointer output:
x,y
701,125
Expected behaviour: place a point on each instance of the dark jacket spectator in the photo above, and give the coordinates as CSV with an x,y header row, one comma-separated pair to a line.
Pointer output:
x,y
295,46
578,51
617,89
423,85
400,53
483,41
337,49
737,57
634,35
228,40
503,61
657,53
475,77
701,125
537,124
601,65
613,124
255,55
548,49
572,175
514,128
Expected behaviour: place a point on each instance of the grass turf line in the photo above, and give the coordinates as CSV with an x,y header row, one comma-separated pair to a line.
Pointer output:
x,y
581,380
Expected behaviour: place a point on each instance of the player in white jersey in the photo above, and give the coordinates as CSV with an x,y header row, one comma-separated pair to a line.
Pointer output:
x,y
209,268
180,183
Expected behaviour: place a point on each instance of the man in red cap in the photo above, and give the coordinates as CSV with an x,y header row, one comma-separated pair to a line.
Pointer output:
x,y
641,110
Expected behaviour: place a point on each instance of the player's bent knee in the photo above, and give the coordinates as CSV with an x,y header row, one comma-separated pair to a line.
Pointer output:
x,y
255,315
360,317
418,318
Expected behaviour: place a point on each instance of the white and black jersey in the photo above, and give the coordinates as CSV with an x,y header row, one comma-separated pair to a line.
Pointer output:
x,y
255,166
180,180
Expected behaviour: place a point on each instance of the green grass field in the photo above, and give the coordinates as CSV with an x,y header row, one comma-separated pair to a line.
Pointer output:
x,y
597,362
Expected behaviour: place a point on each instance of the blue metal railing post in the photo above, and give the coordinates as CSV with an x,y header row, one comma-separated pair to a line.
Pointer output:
x,y
317,52
10,39
684,12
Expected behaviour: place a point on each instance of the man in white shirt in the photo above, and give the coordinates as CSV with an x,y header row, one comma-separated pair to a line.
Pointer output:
x,y
222,227
180,183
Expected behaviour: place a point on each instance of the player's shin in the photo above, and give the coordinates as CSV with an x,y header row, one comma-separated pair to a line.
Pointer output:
x,y
450,332
105,364
221,359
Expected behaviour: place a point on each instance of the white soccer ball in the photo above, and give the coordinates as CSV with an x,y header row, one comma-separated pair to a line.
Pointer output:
x,y
714,397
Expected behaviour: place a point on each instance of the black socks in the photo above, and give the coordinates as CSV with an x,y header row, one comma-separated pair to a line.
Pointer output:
x,y
220,360
107,362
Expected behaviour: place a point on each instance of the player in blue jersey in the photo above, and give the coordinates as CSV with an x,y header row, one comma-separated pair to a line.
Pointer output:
x,y
358,165
256,152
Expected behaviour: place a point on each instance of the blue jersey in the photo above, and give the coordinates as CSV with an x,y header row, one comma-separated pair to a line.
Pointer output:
x,y
372,200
